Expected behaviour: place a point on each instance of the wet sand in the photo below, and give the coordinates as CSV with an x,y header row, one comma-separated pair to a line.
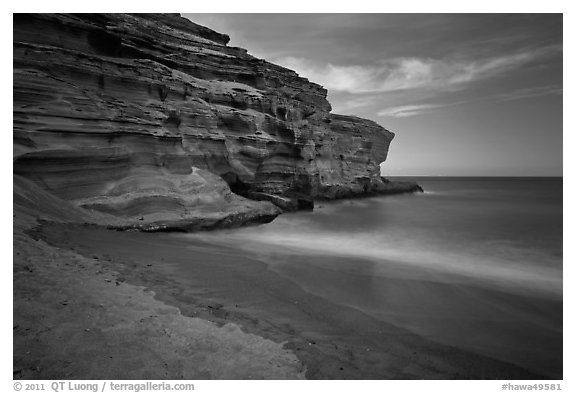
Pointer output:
x,y
221,284
522,328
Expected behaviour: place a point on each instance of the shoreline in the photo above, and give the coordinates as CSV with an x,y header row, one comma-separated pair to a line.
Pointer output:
x,y
330,341
283,204
148,151
75,317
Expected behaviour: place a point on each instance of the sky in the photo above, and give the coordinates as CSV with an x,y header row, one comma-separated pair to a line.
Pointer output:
x,y
465,94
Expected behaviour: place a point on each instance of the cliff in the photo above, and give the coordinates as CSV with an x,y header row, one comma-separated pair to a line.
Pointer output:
x,y
154,122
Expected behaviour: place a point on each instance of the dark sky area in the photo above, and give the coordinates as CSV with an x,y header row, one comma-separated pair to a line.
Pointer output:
x,y
466,94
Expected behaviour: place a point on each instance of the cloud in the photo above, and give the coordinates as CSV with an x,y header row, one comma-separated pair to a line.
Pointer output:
x,y
408,73
419,109
340,105
409,110
529,93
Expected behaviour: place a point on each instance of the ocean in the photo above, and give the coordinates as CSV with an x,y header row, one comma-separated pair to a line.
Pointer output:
x,y
471,263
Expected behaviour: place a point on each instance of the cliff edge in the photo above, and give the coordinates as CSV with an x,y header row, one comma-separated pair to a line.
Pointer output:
x,y
152,122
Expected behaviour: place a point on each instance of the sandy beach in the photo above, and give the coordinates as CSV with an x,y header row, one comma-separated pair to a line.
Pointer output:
x,y
287,196
77,317
124,299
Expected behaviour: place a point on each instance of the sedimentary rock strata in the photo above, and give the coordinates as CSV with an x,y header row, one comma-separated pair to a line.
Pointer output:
x,y
155,120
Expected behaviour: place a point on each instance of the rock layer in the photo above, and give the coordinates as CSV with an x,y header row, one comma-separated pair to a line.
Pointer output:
x,y
154,119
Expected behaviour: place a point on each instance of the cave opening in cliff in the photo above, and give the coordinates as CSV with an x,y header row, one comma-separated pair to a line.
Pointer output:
x,y
236,185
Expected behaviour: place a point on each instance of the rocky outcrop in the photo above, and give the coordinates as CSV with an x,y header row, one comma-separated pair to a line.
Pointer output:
x,y
155,120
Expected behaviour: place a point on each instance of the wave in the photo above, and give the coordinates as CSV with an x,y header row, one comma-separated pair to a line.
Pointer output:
x,y
490,233
502,265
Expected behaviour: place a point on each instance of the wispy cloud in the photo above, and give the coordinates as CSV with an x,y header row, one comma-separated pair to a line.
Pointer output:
x,y
409,110
355,102
528,93
420,109
411,72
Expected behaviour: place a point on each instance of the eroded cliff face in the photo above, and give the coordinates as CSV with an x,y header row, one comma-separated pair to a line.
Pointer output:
x,y
154,119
